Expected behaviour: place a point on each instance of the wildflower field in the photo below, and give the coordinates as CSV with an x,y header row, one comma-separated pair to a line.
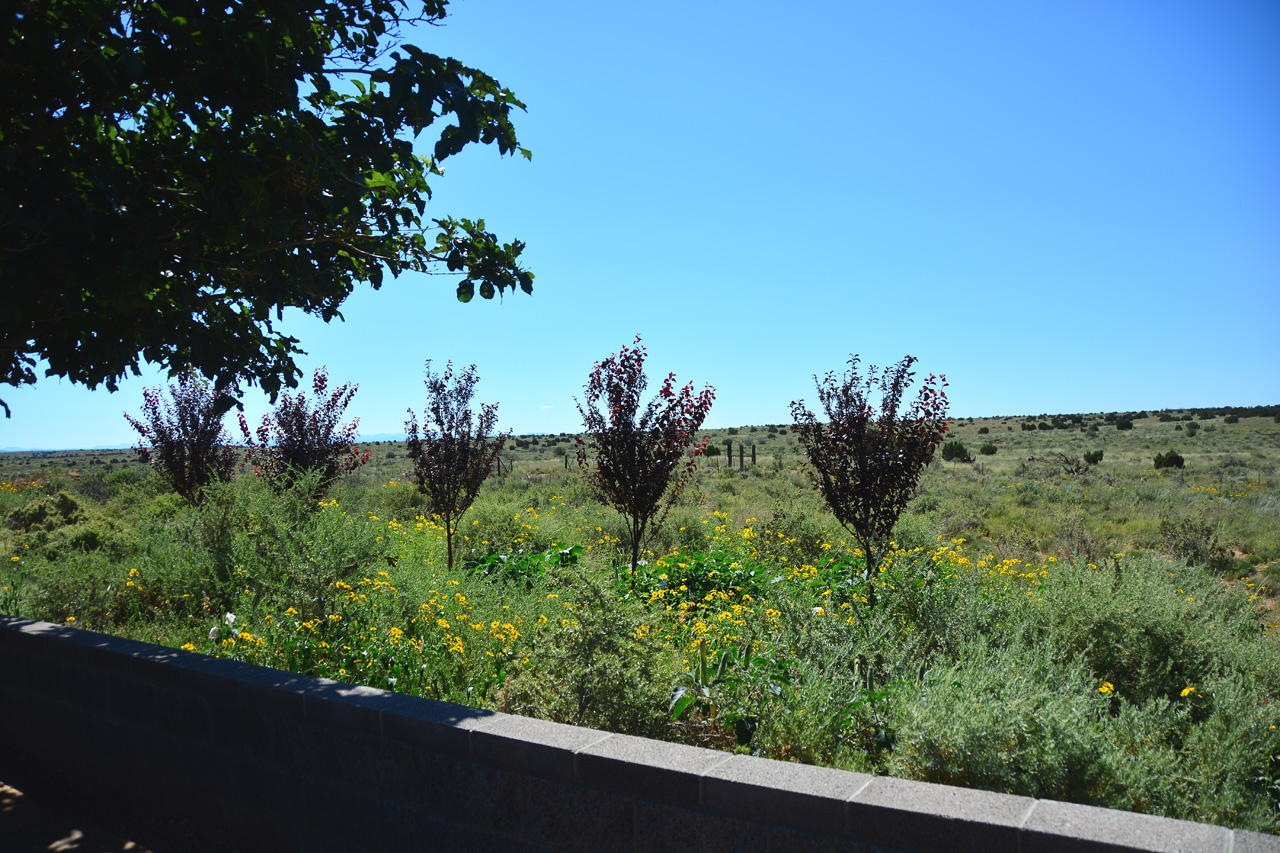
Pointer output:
x,y
1102,636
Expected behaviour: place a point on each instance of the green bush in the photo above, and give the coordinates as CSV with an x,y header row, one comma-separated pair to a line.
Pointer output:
x,y
1170,459
954,451
1124,423
1231,419
56,525
1093,457
983,430
1028,427
595,667
1011,720
987,450
1044,427
1195,541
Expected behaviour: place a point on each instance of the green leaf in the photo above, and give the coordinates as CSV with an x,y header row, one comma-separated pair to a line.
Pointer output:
x,y
681,698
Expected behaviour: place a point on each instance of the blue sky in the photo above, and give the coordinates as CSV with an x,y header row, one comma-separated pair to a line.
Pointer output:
x,y
1063,207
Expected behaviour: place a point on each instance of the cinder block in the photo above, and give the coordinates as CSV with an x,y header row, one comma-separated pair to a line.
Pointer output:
x,y
216,680
785,840
1072,828
437,726
33,637
925,817
104,651
347,706
407,830
795,795
666,772
1254,842
469,793
527,745
333,755
665,827
70,678
272,692
160,663
573,817
162,706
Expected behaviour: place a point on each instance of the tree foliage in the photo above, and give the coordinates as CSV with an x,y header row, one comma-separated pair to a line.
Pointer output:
x,y
866,464
297,440
183,437
632,458
454,451
174,174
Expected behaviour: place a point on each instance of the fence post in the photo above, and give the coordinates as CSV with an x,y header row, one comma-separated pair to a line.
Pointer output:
x,y
753,456
741,453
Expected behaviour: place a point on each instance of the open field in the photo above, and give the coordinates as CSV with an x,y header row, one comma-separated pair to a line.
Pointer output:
x,y
1104,634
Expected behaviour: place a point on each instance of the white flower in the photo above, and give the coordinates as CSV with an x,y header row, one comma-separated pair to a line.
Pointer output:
x,y
213,633
230,619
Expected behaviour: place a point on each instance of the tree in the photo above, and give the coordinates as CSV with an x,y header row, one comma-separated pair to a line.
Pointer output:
x,y
454,454
865,465
296,440
183,436
175,174
639,457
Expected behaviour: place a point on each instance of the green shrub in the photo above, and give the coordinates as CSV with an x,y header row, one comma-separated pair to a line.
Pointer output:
x,y
1192,429
1170,459
1011,720
1027,427
983,430
595,667
987,450
1195,541
1124,423
954,451
1044,427
56,525
1231,419
1093,457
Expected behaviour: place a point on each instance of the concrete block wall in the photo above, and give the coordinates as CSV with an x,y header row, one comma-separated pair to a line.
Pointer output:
x,y
218,755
